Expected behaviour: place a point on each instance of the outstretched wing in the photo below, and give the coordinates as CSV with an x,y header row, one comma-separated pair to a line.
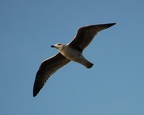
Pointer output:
x,y
86,34
47,68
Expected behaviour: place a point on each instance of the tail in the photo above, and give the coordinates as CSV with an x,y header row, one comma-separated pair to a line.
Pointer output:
x,y
88,64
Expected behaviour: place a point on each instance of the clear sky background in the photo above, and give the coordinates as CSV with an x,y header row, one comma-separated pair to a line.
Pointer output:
x,y
113,86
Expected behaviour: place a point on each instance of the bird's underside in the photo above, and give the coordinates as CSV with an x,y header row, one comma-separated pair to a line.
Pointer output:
x,y
82,39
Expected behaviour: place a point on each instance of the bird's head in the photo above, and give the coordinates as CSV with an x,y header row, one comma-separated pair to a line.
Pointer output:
x,y
58,46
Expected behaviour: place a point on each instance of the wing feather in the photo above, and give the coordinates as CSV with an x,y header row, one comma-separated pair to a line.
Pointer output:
x,y
46,69
86,34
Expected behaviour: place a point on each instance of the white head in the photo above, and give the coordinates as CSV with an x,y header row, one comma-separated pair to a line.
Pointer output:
x,y
58,46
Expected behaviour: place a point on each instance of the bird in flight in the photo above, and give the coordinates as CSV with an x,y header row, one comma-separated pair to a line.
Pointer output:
x,y
68,52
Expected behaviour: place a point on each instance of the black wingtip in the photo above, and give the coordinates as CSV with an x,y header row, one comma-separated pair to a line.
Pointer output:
x,y
104,26
36,89
107,25
110,24
34,93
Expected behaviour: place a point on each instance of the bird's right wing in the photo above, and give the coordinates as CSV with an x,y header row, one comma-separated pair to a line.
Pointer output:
x,y
46,69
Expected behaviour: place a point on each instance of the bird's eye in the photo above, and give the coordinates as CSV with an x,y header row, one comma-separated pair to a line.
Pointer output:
x,y
58,44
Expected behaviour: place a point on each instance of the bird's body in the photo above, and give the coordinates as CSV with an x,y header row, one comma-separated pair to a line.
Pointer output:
x,y
73,54
68,52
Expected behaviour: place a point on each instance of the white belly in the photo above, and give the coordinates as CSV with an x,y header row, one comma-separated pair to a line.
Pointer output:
x,y
72,54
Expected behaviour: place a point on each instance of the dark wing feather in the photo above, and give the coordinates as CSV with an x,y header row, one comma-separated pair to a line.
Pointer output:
x,y
47,68
86,34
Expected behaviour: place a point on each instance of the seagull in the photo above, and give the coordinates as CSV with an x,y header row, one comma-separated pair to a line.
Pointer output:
x,y
68,52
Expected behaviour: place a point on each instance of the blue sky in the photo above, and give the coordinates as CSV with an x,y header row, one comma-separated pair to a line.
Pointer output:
x,y
113,86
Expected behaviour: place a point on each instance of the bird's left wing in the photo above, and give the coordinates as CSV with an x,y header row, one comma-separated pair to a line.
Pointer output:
x,y
86,34
46,69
